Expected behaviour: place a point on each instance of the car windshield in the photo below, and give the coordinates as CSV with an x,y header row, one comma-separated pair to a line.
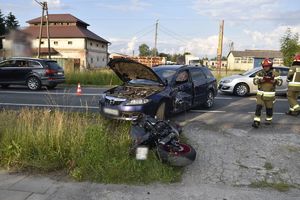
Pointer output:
x,y
165,74
53,65
249,72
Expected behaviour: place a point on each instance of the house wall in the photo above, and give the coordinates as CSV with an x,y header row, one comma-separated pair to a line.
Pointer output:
x,y
239,63
90,52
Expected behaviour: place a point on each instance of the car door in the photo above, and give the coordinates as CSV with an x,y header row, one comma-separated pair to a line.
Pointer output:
x,y
283,74
182,92
21,71
6,69
253,88
199,85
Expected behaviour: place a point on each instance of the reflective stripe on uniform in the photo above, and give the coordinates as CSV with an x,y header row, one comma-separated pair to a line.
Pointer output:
x,y
257,119
294,108
294,84
269,119
266,94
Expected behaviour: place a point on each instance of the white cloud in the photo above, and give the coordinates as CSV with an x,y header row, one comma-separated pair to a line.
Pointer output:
x,y
132,5
245,10
54,4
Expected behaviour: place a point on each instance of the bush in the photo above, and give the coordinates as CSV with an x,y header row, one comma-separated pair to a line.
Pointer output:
x,y
93,77
87,146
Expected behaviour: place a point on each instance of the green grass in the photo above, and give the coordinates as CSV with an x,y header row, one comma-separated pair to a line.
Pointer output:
x,y
93,77
223,74
268,166
86,146
280,186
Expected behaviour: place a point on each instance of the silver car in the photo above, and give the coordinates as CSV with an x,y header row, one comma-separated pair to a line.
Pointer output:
x,y
242,84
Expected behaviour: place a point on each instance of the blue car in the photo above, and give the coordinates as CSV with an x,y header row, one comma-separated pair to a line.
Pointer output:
x,y
159,91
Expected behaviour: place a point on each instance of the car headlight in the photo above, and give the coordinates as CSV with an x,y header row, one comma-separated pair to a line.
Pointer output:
x,y
138,102
227,81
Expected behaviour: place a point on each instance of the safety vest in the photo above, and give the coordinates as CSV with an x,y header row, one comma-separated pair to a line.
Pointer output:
x,y
294,85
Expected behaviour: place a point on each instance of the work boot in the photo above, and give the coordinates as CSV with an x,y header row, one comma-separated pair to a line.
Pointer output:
x,y
268,122
292,113
255,124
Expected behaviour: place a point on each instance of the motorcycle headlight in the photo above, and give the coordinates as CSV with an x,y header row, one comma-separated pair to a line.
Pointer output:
x,y
138,102
227,81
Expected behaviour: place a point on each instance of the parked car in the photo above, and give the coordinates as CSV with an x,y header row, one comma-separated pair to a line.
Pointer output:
x,y
34,73
158,91
242,84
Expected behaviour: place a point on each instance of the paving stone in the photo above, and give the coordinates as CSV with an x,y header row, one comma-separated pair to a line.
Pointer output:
x,y
13,195
7,180
33,184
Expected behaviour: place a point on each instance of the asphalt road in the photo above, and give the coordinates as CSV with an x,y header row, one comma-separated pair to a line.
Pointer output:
x,y
66,98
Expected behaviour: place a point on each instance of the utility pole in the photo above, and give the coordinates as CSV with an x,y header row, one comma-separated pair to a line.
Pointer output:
x,y
220,47
155,38
44,6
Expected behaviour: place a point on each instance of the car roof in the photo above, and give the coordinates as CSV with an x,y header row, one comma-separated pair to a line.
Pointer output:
x,y
29,58
175,67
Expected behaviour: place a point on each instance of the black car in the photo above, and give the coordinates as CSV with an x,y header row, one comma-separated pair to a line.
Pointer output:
x,y
159,91
34,73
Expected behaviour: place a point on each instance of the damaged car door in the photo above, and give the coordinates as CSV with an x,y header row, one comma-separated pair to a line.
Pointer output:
x,y
200,85
182,93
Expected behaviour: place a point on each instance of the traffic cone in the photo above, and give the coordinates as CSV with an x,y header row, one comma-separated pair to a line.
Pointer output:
x,y
78,90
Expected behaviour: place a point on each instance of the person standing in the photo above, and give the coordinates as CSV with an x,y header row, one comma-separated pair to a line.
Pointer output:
x,y
293,80
266,80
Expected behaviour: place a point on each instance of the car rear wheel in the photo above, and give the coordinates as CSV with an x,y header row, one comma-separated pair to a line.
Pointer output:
x,y
241,89
5,85
33,83
161,111
50,87
210,99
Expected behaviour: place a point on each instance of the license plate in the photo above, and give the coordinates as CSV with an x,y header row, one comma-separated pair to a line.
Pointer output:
x,y
59,73
111,111
141,153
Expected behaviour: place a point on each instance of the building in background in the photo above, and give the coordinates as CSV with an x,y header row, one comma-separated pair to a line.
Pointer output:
x,y
69,39
213,63
145,60
248,59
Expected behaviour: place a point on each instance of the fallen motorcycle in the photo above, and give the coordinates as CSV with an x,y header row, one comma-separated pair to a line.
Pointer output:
x,y
163,137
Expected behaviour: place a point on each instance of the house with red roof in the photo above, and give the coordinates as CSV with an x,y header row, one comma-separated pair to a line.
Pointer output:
x,y
69,38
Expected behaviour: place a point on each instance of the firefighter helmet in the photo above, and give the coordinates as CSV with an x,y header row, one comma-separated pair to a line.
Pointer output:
x,y
297,58
267,63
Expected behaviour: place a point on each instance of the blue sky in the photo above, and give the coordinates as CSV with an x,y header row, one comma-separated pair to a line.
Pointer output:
x,y
184,25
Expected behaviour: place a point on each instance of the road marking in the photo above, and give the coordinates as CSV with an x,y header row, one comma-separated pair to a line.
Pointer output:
x,y
275,113
208,111
224,98
48,93
254,99
44,105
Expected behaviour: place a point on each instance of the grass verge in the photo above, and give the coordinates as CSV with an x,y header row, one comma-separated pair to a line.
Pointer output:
x,y
93,77
87,146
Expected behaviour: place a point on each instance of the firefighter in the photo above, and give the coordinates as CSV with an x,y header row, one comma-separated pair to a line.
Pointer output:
x,y
293,80
266,80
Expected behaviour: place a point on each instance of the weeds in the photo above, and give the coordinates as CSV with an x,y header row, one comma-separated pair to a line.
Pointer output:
x,y
87,146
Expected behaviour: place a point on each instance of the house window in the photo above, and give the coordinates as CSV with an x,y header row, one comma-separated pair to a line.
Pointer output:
x,y
97,45
56,42
244,59
91,43
237,60
92,60
250,60
42,42
68,23
103,59
97,58
70,42
102,45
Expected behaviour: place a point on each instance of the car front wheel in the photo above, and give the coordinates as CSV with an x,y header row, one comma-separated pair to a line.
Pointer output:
x,y
33,83
210,99
241,89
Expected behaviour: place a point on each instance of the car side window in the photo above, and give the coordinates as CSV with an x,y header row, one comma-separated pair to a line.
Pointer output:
x,y
283,71
182,77
34,64
21,63
207,72
254,74
6,63
197,75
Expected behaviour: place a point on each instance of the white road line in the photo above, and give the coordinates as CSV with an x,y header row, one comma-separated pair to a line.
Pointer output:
x,y
208,111
275,113
254,99
44,105
49,93
224,98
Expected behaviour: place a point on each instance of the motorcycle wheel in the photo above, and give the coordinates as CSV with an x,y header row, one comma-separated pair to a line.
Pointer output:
x,y
179,158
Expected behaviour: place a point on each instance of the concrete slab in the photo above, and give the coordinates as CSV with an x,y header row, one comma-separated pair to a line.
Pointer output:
x,y
7,180
36,184
13,195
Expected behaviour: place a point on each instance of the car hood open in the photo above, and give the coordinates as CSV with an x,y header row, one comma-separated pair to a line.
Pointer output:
x,y
128,70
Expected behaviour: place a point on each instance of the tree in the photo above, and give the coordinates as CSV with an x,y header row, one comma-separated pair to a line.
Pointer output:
x,y
11,22
144,50
289,46
2,24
